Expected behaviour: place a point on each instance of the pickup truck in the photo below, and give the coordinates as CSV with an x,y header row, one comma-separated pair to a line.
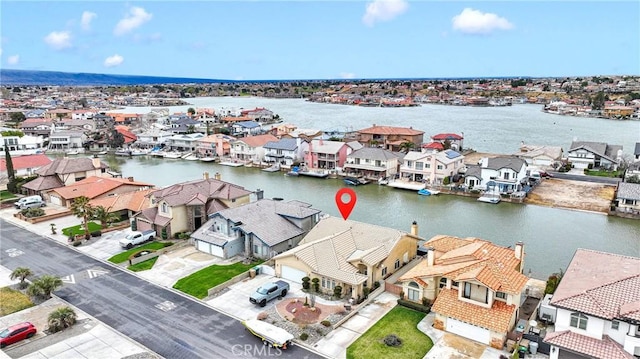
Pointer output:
x,y
269,291
137,237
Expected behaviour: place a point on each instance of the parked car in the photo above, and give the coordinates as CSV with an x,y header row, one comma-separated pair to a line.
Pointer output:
x,y
16,333
544,174
269,291
134,238
30,200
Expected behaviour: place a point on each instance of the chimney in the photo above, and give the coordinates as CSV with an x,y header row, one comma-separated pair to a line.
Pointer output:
x,y
96,162
217,176
519,253
259,194
431,256
206,175
414,228
130,179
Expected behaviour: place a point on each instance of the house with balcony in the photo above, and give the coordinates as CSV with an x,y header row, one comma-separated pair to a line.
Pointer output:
x,y
597,308
185,142
328,155
389,137
217,145
261,229
427,168
60,140
126,204
22,145
65,171
453,140
245,128
258,114
184,207
475,286
346,253
285,151
372,163
154,137
251,148
37,126
497,175
540,155
583,154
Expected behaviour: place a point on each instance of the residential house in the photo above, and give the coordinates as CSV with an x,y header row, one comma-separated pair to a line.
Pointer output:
x,y
184,207
349,254
65,171
430,168
125,205
454,141
372,162
245,128
260,229
184,125
22,145
94,187
628,197
82,114
66,139
154,137
283,129
258,114
214,145
389,137
251,148
186,142
498,174
285,151
88,125
329,155
58,113
540,156
37,126
584,154
475,286
128,136
633,172
597,308
23,166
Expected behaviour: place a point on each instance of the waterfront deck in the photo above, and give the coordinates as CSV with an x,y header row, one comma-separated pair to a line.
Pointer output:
x,y
414,186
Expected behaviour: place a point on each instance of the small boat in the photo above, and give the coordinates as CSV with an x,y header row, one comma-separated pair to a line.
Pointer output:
x,y
190,157
207,159
317,174
139,153
101,153
172,155
232,164
123,153
292,174
424,192
269,333
383,181
355,181
75,152
274,168
489,199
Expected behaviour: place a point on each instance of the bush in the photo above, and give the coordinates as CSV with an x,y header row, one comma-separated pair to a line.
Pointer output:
x,y
414,306
425,301
392,340
446,180
337,291
376,285
316,284
304,336
365,292
96,234
305,283
401,295
32,212
326,323
76,243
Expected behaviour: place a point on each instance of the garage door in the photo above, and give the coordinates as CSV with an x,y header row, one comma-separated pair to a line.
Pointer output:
x,y
563,354
56,200
292,274
210,248
468,331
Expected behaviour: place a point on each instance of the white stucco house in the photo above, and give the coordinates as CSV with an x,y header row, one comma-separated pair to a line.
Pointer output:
x,y
497,175
583,154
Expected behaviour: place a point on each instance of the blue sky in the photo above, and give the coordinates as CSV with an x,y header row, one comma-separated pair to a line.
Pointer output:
x,y
285,40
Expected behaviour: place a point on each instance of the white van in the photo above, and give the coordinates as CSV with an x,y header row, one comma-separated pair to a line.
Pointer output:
x,y
31,200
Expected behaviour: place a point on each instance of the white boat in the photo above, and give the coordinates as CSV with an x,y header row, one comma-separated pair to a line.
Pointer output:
x,y
74,152
139,152
428,192
317,173
383,181
274,168
207,159
172,155
123,153
269,333
489,198
232,164
101,153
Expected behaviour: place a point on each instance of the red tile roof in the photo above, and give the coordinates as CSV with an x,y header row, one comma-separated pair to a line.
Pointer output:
x,y
594,348
447,136
93,187
129,137
434,145
257,141
389,130
134,201
22,162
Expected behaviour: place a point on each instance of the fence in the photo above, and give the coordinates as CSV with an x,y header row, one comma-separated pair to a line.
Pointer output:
x,y
350,314
220,287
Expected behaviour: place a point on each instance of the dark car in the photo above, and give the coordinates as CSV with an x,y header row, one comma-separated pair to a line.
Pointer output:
x,y
16,333
544,174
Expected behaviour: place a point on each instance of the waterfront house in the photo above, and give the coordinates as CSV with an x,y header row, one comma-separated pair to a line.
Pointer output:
x,y
329,155
125,205
346,253
88,125
184,142
65,171
214,145
128,136
184,207
183,124
389,137
628,197
540,156
498,174
454,141
597,307
61,140
260,229
372,162
475,286
583,154
23,166
429,168
37,126
258,114
21,145
251,148
94,187
617,111
154,137
245,128
285,151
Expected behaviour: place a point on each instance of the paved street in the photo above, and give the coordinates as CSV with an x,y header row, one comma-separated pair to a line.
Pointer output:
x,y
168,323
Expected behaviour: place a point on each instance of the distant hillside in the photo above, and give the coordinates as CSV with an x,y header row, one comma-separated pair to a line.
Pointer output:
x,y
26,77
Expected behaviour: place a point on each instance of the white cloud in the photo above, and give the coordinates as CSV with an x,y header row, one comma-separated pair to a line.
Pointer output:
x,y
113,61
134,19
86,19
383,10
347,75
471,21
13,60
58,40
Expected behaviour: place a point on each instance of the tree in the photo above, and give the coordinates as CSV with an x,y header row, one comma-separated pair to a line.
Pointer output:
x,y
43,287
21,273
17,117
104,216
83,210
446,144
115,139
406,146
597,102
191,111
61,319
12,185
83,102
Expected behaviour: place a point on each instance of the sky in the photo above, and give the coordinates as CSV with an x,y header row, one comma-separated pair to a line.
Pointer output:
x,y
329,39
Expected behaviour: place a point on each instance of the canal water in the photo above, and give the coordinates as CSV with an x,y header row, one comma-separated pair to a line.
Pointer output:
x,y
551,235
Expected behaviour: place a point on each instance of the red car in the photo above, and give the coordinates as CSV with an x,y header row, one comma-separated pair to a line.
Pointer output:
x,y
16,333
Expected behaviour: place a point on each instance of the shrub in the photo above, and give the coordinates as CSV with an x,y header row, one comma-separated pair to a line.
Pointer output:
x,y
365,292
316,284
326,323
61,319
337,291
76,243
446,180
32,212
304,336
401,295
414,306
392,340
305,282
425,301
376,285
96,234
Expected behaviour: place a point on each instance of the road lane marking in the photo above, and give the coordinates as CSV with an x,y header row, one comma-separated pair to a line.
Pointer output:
x,y
166,306
96,272
69,279
14,252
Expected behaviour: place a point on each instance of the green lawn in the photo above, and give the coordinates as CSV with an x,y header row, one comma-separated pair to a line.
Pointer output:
x,y
403,323
146,265
121,257
6,195
75,230
198,283
602,173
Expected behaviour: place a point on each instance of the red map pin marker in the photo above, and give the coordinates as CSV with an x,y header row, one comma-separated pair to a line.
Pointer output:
x,y
345,207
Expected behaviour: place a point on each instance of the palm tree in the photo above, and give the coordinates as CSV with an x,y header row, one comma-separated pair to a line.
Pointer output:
x,y
21,273
44,286
406,146
82,209
61,318
104,216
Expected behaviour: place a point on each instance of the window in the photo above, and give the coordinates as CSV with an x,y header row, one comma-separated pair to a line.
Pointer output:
x,y
443,282
409,164
165,207
439,167
578,321
419,166
396,264
467,290
506,175
413,295
615,325
501,295
384,271
454,284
